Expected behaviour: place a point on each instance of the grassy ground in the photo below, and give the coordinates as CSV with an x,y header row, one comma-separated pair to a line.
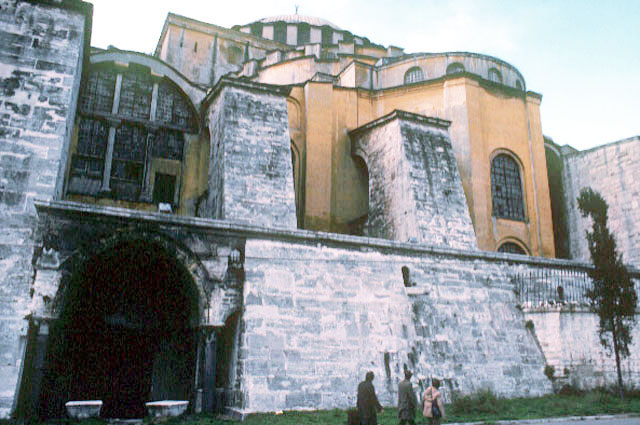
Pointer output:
x,y
480,407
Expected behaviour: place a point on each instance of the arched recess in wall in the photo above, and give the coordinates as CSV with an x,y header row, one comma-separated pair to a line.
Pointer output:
x,y
128,311
455,68
556,193
413,75
507,186
512,246
297,183
357,226
131,119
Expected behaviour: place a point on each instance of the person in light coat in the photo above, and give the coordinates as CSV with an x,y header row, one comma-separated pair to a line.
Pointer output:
x,y
433,395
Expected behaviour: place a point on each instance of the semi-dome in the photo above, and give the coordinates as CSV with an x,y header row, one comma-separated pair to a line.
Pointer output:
x,y
295,19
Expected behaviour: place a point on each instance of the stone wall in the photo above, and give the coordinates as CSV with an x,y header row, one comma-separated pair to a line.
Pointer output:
x,y
415,191
614,171
321,311
250,170
571,345
42,48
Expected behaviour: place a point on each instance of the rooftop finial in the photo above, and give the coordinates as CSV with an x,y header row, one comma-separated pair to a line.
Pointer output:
x,y
297,6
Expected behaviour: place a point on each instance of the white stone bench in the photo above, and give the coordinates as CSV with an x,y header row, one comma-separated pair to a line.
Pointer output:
x,y
83,409
166,408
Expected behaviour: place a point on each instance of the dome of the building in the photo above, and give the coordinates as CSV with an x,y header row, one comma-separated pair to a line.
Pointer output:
x,y
296,19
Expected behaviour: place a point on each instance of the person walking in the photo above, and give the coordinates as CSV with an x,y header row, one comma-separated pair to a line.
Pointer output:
x,y
368,405
432,405
407,401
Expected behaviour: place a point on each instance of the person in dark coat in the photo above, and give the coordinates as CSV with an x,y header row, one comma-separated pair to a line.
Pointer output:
x,y
368,405
407,401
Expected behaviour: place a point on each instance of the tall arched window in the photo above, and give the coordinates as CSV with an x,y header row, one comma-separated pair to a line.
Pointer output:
x,y
128,117
413,75
506,188
455,68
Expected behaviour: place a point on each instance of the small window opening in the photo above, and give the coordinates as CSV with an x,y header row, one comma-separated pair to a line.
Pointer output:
x,y
455,68
164,189
195,47
406,277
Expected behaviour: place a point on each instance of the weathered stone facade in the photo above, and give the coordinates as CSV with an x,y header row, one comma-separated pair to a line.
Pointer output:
x,y
42,47
415,192
614,171
250,171
221,300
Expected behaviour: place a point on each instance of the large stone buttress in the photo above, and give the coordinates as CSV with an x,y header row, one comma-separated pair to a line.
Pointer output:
x,y
415,191
250,171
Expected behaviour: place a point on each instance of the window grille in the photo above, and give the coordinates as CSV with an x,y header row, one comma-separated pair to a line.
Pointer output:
x,y
168,144
506,188
92,142
98,92
511,248
135,96
172,108
413,75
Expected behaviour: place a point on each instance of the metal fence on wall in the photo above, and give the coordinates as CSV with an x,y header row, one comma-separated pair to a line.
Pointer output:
x,y
552,286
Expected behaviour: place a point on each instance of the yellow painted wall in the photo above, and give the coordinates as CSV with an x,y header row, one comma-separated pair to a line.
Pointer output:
x,y
486,120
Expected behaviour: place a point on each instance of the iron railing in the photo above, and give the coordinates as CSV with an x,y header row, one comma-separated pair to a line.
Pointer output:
x,y
552,286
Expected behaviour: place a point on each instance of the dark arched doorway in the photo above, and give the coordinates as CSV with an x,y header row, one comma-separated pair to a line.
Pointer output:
x,y
126,334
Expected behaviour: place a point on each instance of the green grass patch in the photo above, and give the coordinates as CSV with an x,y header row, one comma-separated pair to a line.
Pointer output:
x,y
483,406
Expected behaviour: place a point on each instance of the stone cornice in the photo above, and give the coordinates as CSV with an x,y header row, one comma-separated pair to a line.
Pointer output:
x,y
399,114
244,85
90,212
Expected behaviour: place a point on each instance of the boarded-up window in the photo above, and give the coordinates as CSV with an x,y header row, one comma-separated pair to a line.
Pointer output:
x,y
506,188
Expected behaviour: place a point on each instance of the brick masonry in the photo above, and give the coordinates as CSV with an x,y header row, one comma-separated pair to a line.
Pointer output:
x,y
415,191
41,54
614,171
250,170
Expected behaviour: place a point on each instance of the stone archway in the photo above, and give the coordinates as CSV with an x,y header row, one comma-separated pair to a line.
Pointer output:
x,y
127,330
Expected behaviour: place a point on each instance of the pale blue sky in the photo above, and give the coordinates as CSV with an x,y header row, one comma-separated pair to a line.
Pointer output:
x,y
582,56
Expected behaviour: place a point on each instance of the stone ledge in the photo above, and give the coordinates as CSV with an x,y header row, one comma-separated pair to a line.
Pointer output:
x,y
83,409
167,408
86,211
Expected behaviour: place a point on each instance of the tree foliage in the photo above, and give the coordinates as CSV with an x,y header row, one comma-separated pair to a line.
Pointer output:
x,y
612,295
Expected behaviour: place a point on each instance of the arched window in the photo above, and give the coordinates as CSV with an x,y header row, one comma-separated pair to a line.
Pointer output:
x,y
495,76
117,144
413,75
511,248
506,188
455,68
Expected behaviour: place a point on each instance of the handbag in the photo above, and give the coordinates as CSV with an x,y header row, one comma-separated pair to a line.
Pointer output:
x,y
435,410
